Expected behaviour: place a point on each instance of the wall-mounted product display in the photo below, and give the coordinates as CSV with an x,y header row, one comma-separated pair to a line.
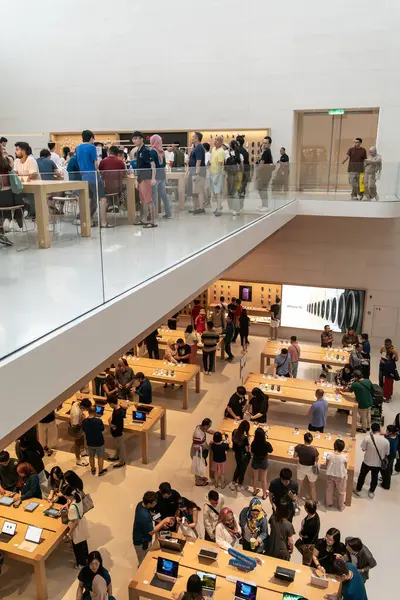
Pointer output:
x,y
256,297
313,307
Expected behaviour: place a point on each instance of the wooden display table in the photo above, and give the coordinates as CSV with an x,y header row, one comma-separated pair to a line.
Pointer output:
x,y
158,413
268,587
52,535
302,391
183,374
309,353
41,189
167,334
284,439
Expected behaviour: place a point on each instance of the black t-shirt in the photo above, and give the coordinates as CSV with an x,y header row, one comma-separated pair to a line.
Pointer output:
x,y
284,158
279,491
182,351
151,341
245,155
259,406
276,311
240,447
33,455
266,157
219,452
93,429
237,404
310,529
117,419
231,309
171,323
261,451
244,322
326,558
167,506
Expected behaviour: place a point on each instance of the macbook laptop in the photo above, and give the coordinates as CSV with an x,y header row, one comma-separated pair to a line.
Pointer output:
x,y
138,416
167,570
172,544
208,554
245,590
208,583
33,534
6,501
7,531
290,596
144,408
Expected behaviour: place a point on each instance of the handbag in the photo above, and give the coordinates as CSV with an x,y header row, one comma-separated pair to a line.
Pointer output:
x,y
64,516
396,375
316,467
198,465
87,503
15,183
385,460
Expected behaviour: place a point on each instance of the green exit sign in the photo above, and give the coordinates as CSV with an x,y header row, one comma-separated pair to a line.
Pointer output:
x,y
336,111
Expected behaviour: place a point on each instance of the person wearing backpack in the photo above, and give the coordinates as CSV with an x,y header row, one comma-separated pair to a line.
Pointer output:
x,y
376,450
214,503
78,527
363,392
233,166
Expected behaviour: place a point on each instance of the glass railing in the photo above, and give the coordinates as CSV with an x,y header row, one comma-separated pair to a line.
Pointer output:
x,y
72,240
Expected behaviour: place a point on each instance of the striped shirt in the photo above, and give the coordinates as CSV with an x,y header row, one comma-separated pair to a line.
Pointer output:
x,y
210,340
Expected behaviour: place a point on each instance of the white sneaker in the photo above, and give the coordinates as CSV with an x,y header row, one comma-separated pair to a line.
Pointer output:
x,y
232,486
15,227
356,493
263,209
209,373
239,487
371,494
84,453
6,225
234,213
81,463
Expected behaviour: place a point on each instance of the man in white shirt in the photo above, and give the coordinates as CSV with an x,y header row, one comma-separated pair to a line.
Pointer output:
x,y
376,448
54,156
76,416
26,167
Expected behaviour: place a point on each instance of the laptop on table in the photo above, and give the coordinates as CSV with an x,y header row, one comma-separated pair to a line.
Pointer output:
x,y
171,544
245,590
138,416
208,583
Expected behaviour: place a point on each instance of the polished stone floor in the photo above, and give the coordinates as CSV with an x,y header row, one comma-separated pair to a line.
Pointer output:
x,y
376,521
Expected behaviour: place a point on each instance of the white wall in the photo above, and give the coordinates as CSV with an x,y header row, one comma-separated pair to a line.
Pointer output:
x,y
215,64
333,252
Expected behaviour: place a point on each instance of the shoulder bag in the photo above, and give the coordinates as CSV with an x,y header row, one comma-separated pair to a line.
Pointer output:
x,y
87,503
384,460
283,552
315,468
15,183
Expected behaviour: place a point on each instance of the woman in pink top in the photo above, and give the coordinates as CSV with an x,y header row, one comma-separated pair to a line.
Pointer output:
x,y
169,355
200,321
294,351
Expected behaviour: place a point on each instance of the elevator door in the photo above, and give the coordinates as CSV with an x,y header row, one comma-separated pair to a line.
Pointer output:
x,y
323,141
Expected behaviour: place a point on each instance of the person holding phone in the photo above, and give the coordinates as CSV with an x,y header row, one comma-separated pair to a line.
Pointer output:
x,y
28,484
219,447
93,428
187,516
144,526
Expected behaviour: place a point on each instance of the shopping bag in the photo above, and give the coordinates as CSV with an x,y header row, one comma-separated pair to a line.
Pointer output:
x,y
361,183
198,465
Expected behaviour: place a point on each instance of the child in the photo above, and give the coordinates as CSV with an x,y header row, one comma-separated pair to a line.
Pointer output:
x,y
200,321
321,379
336,473
393,437
219,449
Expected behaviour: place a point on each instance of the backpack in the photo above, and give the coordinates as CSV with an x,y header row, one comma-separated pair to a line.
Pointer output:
x,y
232,162
179,159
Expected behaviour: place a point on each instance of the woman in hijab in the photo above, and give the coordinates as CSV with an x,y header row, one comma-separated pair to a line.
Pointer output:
x,y
254,526
99,589
372,172
227,532
158,176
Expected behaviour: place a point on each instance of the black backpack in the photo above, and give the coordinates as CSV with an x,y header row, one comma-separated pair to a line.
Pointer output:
x,y
232,162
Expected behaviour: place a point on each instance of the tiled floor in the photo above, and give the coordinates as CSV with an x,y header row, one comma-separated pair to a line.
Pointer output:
x,y
376,521
45,289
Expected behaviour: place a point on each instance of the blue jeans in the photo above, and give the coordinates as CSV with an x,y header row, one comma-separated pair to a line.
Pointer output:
x,y
160,186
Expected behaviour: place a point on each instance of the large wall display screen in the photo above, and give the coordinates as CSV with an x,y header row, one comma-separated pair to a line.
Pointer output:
x,y
313,307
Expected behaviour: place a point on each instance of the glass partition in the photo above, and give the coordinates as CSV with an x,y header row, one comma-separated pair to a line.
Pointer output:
x,y
73,240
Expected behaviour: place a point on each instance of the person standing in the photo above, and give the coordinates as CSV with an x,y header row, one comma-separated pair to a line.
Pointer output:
x,y
8,472
254,526
86,155
363,392
199,447
386,350
282,177
244,325
264,173
125,378
372,172
389,370
356,157
113,170
366,354
237,404
116,423
198,173
196,311
218,318
309,532
213,505
282,364
192,339
54,156
260,448
246,169
236,317
275,314
143,389
144,176
184,351
280,543
353,586
144,527
229,333
47,432
77,524
392,437
151,343
210,339
158,175
219,447
308,457
360,556
258,406
227,531
241,448
294,351
376,449
233,166
284,489
350,338
336,473
326,342
75,430
93,428
318,412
